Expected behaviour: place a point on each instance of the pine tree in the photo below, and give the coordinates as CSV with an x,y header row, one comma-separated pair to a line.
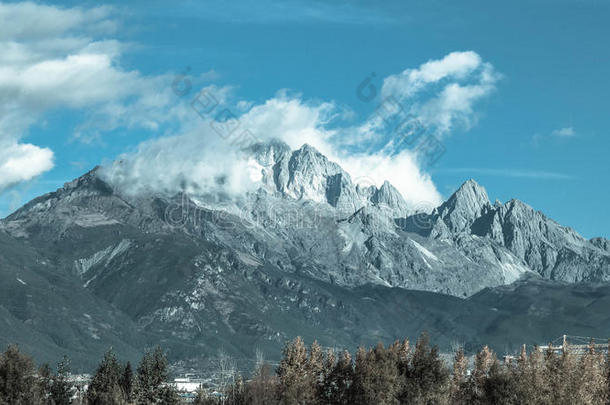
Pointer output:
x,y
167,395
17,380
61,389
127,382
475,387
294,387
386,375
531,379
608,373
404,356
568,376
427,378
314,377
521,375
325,388
201,398
593,384
551,388
522,361
500,385
338,380
152,374
105,388
458,393
376,378
359,386
43,384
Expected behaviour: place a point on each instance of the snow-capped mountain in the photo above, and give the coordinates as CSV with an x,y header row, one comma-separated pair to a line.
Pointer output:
x,y
300,255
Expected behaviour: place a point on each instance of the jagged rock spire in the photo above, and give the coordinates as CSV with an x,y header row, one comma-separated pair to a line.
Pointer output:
x,y
389,196
306,174
468,203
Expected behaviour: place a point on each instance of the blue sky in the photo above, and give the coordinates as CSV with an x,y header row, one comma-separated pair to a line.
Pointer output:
x,y
538,132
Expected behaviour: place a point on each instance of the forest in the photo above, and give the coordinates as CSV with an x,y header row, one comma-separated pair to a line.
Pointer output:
x,y
309,375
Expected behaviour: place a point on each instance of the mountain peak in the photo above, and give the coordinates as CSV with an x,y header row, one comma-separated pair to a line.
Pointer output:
x,y
468,203
470,194
309,175
307,148
471,187
389,196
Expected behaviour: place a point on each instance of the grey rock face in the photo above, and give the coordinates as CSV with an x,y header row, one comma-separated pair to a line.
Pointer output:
x,y
554,251
603,244
310,217
295,255
388,196
543,246
307,175
467,204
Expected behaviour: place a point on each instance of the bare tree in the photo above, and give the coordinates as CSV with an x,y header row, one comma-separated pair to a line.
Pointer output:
x,y
225,373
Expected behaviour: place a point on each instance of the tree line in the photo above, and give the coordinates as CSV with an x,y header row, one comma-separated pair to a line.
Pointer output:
x,y
113,383
403,375
393,375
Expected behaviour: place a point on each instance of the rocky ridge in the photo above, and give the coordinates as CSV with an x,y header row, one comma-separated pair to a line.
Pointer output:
x,y
301,252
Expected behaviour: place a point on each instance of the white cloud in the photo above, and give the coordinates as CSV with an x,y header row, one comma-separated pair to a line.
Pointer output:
x,y
564,132
61,58
197,162
22,162
561,133
53,58
454,105
442,93
457,65
200,161
28,21
45,64
401,170
293,121
296,123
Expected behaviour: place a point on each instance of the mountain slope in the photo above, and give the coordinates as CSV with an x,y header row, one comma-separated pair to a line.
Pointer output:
x,y
50,313
308,253
553,251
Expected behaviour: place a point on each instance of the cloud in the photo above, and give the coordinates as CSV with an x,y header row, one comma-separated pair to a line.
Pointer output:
x,y
296,122
32,21
200,161
442,93
554,136
456,65
59,58
565,132
22,162
292,120
402,170
45,64
197,162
